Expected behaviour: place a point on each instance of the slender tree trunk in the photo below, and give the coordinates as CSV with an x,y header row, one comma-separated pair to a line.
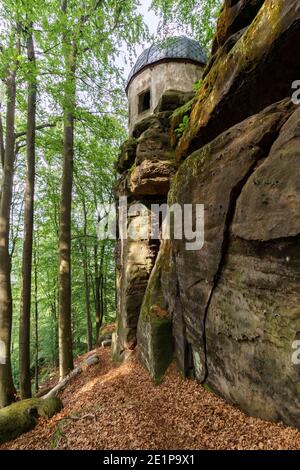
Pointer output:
x,y
2,154
102,296
103,284
55,346
99,311
24,336
87,303
2,147
86,281
36,320
7,389
97,292
65,321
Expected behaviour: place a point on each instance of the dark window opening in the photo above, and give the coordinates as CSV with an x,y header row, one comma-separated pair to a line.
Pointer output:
x,y
144,101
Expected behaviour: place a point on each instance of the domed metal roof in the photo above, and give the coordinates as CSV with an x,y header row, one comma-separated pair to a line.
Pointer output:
x,y
179,47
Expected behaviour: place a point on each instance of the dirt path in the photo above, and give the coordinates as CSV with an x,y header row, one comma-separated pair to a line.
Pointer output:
x,y
120,408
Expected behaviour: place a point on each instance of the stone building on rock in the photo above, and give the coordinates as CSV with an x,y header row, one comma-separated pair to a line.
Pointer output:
x,y
174,64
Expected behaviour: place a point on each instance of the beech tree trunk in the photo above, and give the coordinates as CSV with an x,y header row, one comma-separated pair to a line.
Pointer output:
x,y
97,291
86,281
7,390
2,154
24,335
98,297
36,320
65,322
22,416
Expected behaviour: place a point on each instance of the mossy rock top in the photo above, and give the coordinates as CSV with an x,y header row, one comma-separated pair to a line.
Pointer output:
x,y
173,99
22,416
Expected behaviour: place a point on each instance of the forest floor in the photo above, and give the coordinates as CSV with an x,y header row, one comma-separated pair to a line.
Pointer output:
x,y
117,407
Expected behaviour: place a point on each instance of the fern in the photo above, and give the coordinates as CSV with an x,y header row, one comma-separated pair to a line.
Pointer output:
x,y
182,126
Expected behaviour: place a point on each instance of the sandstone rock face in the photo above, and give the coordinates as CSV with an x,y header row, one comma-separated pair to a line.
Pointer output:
x,y
273,189
151,178
230,311
252,321
254,315
258,71
147,165
214,176
236,15
127,155
137,258
172,100
155,340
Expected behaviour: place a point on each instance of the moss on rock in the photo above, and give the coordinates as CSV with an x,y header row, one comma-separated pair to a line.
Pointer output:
x,y
178,117
173,99
155,338
23,416
240,80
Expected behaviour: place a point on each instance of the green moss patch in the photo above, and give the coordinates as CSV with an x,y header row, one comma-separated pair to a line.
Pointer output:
x,y
23,416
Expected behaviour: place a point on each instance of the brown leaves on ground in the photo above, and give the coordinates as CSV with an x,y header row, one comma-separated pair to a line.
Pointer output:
x,y
118,407
107,329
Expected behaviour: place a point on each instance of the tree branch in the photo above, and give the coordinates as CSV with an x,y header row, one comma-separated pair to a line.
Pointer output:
x,y
38,128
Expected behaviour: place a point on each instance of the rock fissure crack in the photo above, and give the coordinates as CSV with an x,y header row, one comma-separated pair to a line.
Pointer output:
x,y
265,146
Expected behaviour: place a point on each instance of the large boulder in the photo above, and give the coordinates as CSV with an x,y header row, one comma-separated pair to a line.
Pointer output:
x,y
172,100
214,176
154,165
254,316
252,322
159,120
151,178
154,144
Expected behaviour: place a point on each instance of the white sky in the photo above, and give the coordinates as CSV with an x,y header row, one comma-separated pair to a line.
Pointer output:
x,y
152,22
149,16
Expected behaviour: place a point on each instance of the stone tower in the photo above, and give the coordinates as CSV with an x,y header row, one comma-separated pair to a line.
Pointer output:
x,y
174,64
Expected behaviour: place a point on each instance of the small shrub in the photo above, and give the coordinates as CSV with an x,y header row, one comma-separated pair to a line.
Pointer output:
x,y
197,85
182,126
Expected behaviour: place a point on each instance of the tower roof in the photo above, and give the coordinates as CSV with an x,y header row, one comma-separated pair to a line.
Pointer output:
x,y
177,48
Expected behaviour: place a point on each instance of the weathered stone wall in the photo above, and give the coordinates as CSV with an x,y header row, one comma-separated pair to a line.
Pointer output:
x,y
230,312
160,78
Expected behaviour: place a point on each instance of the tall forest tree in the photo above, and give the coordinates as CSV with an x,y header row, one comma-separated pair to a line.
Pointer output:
x,y
7,389
87,29
24,342
65,313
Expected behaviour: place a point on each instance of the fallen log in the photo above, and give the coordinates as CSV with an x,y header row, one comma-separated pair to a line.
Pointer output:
x,y
22,416
43,392
90,361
